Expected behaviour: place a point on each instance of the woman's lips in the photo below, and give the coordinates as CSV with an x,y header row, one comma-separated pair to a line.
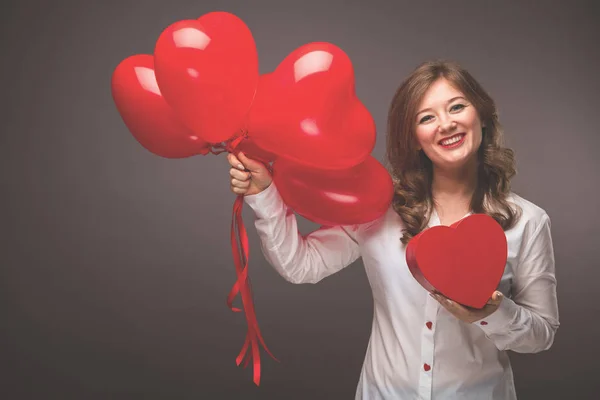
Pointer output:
x,y
452,141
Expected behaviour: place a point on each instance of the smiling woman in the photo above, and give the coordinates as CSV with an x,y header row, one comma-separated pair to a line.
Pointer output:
x,y
441,123
446,156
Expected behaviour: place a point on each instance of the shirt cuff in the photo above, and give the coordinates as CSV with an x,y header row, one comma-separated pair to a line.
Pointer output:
x,y
500,320
267,203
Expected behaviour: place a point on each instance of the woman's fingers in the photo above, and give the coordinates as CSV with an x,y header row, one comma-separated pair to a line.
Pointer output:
x,y
240,184
235,162
239,175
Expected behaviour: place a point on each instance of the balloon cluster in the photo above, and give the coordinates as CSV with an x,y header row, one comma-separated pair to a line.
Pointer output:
x,y
201,92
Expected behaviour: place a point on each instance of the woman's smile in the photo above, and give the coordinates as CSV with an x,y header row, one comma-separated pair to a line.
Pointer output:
x,y
453,141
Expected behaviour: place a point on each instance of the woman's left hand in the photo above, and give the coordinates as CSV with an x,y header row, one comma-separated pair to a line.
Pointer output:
x,y
469,314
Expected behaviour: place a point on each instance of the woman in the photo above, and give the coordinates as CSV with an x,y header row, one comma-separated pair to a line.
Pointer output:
x,y
445,154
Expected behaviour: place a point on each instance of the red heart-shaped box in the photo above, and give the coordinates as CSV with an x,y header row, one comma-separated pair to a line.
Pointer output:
x,y
464,261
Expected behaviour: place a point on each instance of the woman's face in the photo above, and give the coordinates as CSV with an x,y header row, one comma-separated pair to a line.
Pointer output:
x,y
447,126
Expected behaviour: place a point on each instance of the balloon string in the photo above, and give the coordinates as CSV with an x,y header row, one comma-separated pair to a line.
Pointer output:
x,y
242,285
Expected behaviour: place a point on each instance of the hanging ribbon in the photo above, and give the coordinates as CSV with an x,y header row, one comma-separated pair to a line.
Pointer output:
x,y
242,285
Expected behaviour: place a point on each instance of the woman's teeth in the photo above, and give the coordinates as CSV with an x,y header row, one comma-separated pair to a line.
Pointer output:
x,y
451,140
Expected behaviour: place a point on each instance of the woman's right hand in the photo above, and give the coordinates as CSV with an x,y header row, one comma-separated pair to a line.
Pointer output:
x,y
248,176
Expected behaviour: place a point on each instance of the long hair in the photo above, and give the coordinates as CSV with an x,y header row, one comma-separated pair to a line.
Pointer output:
x,y
412,170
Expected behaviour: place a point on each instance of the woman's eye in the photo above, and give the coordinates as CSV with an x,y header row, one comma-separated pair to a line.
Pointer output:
x,y
425,119
457,107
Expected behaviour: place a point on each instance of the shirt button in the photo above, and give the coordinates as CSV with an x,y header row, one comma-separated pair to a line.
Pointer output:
x,y
483,323
429,324
426,367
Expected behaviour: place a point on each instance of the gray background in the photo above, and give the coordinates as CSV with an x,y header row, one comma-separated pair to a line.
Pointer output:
x,y
115,263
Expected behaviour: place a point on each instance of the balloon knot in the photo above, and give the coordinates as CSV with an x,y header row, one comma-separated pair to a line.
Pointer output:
x,y
234,142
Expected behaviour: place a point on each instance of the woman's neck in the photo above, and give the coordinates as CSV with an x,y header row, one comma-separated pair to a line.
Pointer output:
x,y
452,190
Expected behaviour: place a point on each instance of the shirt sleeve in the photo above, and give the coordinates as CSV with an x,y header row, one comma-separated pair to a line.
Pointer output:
x,y
298,258
528,322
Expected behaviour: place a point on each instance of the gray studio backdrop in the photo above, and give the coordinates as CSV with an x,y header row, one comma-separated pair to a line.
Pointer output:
x,y
116,264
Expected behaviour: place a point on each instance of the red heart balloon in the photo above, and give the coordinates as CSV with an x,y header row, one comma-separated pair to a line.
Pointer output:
x,y
146,114
307,110
335,197
253,151
207,69
464,261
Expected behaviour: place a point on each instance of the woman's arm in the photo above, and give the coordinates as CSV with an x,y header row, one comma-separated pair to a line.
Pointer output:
x,y
298,258
528,322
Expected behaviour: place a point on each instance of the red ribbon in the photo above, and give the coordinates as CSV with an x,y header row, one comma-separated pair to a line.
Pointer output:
x,y
242,285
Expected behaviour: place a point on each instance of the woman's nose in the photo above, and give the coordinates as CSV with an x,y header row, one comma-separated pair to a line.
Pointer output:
x,y
447,125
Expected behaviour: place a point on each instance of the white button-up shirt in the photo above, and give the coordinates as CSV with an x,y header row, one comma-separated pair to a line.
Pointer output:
x,y
417,349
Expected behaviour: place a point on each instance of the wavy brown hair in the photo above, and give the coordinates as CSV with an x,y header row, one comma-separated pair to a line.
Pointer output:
x,y
411,169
